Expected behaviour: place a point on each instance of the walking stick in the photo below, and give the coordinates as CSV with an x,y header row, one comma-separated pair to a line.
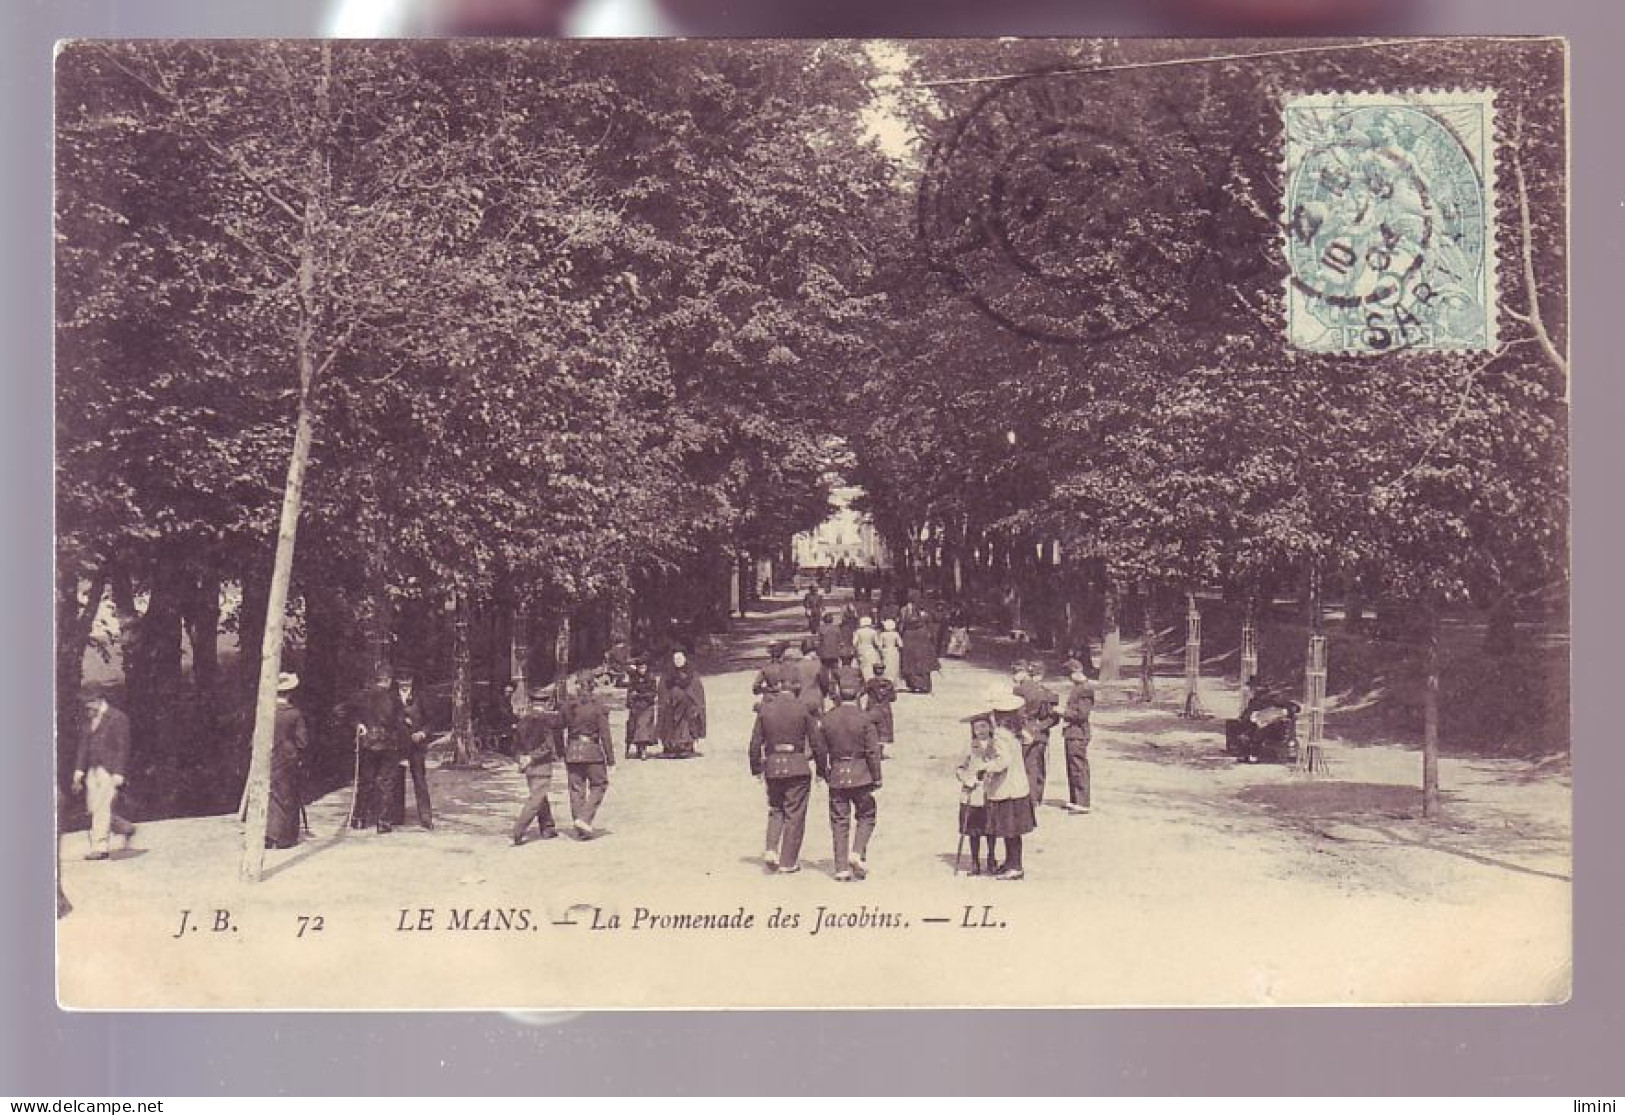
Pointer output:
x,y
355,778
959,853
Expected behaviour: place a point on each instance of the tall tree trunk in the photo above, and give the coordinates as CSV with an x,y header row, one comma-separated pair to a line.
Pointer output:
x,y
203,629
258,790
464,751
1430,710
1148,651
259,763
1193,658
1111,636
76,620
1501,631
519,659
255,593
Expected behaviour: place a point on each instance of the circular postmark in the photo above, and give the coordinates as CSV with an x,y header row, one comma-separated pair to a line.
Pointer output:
x,y
1385,230
1066,216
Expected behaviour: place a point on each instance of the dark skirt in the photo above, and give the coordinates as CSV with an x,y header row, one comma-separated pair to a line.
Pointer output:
x,y
972,819
1011,818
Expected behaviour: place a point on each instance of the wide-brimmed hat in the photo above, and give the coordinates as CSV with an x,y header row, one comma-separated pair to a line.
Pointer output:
x,y
405,677
287,682
866,621
889,624
1000,699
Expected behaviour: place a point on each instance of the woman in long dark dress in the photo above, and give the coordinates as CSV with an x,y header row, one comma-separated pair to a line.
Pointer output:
x,y
642,708
288,745
919,654
681,723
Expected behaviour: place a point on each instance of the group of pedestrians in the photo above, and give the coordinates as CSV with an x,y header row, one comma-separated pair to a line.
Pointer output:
x,y
1004,771
391,740
665,711
825,711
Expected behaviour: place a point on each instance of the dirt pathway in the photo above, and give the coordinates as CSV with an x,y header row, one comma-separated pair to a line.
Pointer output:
x,y
1193,881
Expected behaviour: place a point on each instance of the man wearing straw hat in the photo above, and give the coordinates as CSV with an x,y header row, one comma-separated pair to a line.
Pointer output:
x,y
288,742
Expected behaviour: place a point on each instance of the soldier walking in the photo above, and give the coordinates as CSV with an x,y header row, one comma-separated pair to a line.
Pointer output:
x,y
848,757
536,738
781,746
589,752
1080,702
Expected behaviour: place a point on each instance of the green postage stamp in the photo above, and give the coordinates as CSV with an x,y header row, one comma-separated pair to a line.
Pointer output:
x,y
1389,216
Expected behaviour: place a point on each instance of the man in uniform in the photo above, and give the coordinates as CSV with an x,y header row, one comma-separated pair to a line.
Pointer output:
x,y
99,769
589,752
776,673
1038,716
414,745
847,750
781,755
536,740
1080,702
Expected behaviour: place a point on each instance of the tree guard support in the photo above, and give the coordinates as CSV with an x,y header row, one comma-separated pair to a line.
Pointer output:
x,y
1193,660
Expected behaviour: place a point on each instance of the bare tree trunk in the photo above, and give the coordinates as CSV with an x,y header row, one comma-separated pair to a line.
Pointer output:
x,y
464,752
1111,637
259,768
519,659
1193,658
1148,652
258,790
1430,712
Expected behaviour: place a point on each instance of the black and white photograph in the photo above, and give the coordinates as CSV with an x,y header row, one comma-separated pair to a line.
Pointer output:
x,y
552,525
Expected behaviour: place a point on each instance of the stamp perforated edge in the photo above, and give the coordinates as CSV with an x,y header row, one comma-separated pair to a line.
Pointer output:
x,y
1488,173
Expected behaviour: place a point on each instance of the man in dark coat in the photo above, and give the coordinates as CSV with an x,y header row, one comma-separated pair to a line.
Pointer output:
x,y
413,743
781,746
99,771
642,708
848,757
373,714
830,642
589,752
1038,717
813,605
536,744
1080,702
288,744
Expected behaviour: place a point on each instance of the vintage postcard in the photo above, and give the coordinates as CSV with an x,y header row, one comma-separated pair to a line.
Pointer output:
x,y
755,524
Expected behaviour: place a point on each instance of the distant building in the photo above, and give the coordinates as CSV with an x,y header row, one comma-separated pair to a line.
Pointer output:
x,y
847,535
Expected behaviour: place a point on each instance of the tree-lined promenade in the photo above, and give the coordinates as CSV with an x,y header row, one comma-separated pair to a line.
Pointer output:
x,y
492,353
